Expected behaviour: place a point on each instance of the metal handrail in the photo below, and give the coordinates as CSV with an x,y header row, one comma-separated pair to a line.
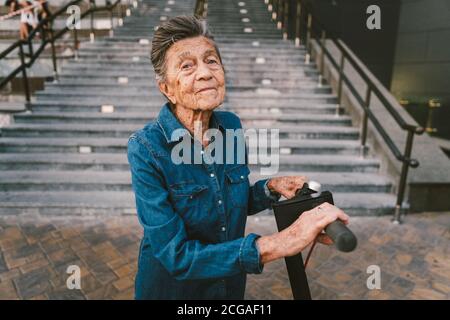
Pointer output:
x,y
44,26
314,28
201,8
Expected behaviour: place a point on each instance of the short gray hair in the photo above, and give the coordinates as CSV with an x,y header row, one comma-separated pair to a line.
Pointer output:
x,y
176,29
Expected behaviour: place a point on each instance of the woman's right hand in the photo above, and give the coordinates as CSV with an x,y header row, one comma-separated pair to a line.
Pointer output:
x,y
301,233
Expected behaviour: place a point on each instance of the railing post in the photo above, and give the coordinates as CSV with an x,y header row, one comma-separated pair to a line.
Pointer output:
x,y
308,40
322,58
120,13
298,23
286,19
24,75
111,18
30,47
52,43
280,8
205,8
275,5
363,150
432,104
91,34
128,10
339,89
402,184
275,9
75,42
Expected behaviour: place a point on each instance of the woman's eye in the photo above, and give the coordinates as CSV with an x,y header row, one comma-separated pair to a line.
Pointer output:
x,y
212,61
186,66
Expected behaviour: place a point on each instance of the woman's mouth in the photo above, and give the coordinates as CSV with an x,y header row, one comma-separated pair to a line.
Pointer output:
x,y
206,89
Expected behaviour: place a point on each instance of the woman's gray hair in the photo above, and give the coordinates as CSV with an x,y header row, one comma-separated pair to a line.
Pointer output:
x,y
176,29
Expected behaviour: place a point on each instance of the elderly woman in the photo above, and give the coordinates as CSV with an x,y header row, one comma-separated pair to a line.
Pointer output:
x,y
194,215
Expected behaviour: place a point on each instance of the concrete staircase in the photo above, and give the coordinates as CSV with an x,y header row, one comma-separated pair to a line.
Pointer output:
x,y
68,157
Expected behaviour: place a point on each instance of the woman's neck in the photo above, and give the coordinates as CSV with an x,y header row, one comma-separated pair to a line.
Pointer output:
x,y
195,121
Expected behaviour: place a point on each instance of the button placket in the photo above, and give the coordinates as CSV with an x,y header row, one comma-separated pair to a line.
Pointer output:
x,y
220,205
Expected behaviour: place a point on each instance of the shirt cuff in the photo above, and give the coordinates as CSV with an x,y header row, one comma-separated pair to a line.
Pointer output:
x,y
272,195
249,256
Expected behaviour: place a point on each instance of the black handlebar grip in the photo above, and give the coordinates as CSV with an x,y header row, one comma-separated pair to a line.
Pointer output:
x,y
343,238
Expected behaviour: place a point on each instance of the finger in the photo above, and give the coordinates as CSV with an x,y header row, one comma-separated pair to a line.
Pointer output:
x,y
290,194
324,239
324,218
341,215
333,212
300,180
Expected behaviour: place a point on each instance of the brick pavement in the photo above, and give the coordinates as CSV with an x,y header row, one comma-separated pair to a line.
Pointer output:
x,y
35,252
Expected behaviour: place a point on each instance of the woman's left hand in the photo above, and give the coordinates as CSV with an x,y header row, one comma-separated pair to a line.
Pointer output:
x,y
287,186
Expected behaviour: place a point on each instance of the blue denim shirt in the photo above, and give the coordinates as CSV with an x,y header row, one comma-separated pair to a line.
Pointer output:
x,y
193,216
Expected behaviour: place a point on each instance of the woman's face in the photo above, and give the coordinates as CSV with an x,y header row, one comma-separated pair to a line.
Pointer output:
x,y
194,75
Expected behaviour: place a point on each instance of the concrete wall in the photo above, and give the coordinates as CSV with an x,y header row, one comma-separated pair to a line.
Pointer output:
x,y
422,55
347,20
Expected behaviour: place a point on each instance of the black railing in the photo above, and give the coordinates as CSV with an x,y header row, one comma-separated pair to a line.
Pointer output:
x,y
307,27
49,36
201,8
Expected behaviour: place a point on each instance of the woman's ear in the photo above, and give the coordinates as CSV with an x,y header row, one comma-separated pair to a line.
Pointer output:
x,y
164,88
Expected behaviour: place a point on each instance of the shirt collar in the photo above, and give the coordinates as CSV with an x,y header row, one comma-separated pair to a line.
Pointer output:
x,y
169,123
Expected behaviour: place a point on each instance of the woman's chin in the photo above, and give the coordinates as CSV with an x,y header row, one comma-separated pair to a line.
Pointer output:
x,y
208,104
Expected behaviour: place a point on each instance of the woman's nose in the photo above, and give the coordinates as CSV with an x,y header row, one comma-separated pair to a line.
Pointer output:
x,y
203,72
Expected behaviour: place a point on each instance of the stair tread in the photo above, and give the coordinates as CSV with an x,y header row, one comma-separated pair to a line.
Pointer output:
x,y
124,199
87,141
127,127
113,177
151,115
68,198
122,158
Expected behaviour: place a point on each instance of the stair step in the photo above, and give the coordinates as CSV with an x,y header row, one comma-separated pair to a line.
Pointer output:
x,y
121,181
122,97
268,106
248,49
91,72
119,145
291,54
143,117
118,162
130,70
62,203
138,85
125,130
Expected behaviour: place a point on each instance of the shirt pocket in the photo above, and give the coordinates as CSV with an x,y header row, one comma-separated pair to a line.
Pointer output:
x,y
190,201
238,185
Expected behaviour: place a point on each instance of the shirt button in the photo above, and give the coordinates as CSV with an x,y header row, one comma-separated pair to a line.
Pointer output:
x,y
219,202
223,229
212,175
242,177
202,152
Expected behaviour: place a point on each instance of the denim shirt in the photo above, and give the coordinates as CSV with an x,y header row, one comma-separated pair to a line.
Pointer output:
x,y
193,215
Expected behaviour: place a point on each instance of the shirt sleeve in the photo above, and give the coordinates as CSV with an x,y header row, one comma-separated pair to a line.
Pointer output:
x,y
260,197
183,258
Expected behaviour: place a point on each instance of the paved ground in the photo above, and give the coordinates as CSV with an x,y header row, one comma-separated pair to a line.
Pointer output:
x,y
414,259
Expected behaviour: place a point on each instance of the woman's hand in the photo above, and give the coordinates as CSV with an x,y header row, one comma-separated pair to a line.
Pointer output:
x,y
287,186
301,233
